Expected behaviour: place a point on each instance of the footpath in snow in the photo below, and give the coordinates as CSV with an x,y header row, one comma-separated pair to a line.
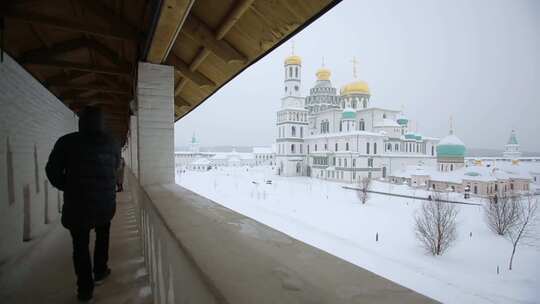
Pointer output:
x,y
331,218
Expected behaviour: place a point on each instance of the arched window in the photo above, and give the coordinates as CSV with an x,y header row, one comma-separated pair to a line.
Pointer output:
x,y
296,72
346,146
354,163
374,148
292,148
365,103
307,149
432,150
451,167
301,132
389,147
336,147
315,147
325,147
361,125
384,172
384,115
297,117
301,149
345,162
367,148
290,72
293,131
475,189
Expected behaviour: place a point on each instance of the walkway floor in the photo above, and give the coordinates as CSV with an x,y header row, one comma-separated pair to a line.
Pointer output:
x,y
46,275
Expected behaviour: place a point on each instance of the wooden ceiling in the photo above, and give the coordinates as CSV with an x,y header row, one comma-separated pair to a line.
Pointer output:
x,y
86,51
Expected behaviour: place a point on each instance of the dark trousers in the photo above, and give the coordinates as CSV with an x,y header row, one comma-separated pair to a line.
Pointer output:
x,y
81,255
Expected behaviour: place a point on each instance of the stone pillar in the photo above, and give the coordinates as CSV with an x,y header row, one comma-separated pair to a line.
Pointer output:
x,y
155,123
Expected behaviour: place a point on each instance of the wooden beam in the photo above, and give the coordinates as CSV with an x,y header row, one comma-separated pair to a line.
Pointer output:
x,y
234,15
171,18
80,67
231,19
113,18
92,87
182,102
69,26
107,53
200,32
53,50
65,77
196,77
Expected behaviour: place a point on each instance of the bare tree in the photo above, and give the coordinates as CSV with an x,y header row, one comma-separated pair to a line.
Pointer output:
x,y
435,224
364,185
501,212
522,231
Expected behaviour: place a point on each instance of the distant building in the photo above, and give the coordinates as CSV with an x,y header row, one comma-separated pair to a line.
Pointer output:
x,y
342,136
511,149
451,174
193,159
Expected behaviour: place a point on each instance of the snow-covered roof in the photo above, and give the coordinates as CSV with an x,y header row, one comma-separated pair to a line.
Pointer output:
x,y
262,150
471,173
386,122
201,161
451,139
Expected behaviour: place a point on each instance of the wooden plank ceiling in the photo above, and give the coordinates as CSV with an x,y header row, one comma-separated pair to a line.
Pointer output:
x,y
85,51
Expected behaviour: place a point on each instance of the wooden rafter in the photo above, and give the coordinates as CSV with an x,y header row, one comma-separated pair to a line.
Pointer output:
x,y
230,20
107,53
92,87
69,26
194,76
107,13
200,32
80,67
54,50
65,77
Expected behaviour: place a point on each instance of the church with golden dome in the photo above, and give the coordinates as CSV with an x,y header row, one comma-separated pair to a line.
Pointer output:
x,y
341,135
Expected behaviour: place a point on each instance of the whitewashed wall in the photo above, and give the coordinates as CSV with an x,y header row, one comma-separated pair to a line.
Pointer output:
x,y
31,120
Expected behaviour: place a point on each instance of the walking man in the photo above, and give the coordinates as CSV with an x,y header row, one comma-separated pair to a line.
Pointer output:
x,y
83,165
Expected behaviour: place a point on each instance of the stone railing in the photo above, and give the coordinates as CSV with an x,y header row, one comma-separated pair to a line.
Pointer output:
x,y
200,252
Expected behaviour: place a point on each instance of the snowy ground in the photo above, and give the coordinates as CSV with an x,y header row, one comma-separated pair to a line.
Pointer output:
x,y
329,217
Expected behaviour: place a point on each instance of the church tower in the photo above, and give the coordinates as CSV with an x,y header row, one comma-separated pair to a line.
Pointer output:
x,y
292,121
450,152
511,149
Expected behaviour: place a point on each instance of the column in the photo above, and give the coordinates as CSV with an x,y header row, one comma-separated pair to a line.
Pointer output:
x,y
155,123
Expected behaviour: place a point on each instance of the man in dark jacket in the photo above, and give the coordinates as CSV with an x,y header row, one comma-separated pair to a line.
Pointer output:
x,y
83,164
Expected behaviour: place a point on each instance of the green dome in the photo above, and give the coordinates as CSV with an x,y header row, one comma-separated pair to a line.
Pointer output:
x,y
410,136
402,121
348,114
451,146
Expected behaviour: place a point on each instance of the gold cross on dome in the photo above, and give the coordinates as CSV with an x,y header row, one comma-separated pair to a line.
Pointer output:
x,y
354,62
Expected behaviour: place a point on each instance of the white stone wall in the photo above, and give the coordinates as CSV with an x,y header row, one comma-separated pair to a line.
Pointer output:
x,y
155,123
31,120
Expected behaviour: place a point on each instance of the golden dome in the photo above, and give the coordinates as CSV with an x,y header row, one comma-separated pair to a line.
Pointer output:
x,y
323,74
357,87
293,59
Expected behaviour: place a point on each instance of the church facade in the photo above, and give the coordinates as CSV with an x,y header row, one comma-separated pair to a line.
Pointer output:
x,y
341,135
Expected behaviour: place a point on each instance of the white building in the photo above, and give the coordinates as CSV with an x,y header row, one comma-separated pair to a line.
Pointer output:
x,y
342,136
511,149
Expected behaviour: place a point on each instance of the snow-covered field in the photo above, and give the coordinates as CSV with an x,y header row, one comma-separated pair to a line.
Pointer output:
x,y
325,215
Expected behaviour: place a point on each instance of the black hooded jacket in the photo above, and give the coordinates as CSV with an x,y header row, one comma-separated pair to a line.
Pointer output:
x,y
83,165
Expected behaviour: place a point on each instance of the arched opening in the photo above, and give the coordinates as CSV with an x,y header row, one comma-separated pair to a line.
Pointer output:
x,y
293,131
367,148
298,168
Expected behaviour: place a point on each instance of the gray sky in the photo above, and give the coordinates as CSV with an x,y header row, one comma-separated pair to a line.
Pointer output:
x,y
477,60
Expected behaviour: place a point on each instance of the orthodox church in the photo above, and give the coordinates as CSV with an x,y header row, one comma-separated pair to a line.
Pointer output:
x,y
342,135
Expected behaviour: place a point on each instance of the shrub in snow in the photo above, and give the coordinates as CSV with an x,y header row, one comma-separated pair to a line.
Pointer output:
x,y
501,212
364,185
435,224
522,231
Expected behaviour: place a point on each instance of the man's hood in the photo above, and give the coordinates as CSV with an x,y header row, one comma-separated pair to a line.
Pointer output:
x,y
91,120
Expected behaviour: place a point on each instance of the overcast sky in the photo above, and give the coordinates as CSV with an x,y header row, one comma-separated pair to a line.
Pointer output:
x,y
477,60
